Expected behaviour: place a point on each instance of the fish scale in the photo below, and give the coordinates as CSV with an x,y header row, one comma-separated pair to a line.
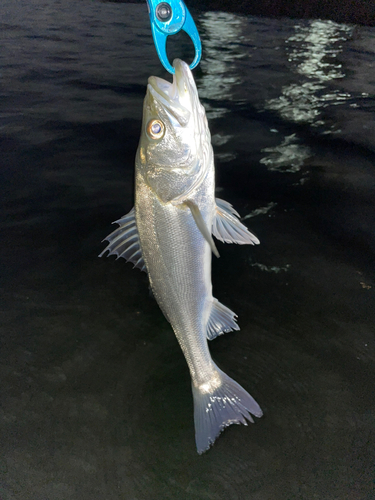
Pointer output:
x,y
178,280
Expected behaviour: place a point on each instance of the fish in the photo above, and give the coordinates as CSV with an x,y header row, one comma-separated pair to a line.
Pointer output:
x,y
168,234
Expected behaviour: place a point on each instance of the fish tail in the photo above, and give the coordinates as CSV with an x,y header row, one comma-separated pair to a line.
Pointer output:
x,y
217,404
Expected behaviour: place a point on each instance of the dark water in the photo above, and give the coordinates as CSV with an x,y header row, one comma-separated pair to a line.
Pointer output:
x,y
95,393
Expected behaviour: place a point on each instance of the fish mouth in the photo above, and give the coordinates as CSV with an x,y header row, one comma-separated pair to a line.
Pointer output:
x,y
174,96
163,87
181,77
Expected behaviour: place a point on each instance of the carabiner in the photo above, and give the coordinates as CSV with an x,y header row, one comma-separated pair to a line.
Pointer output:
x,y
168,18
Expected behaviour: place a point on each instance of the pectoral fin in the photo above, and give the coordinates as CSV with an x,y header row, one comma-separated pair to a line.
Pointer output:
x,y
124,242
227,228
202,226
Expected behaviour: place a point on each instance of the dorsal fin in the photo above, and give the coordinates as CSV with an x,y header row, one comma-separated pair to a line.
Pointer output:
x,y
124,241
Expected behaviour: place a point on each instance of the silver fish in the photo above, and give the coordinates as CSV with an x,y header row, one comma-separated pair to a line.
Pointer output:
x,y
168,235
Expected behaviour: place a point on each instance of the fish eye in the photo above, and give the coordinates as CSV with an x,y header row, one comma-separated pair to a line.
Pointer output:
x,y
155,129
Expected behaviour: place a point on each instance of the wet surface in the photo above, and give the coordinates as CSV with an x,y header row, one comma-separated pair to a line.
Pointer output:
x,y
95,394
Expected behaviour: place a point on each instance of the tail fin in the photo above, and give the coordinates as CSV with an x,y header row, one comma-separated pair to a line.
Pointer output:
x,y
218,405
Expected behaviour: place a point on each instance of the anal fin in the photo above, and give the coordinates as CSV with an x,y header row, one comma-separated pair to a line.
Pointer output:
x,y
124,241
221,320
227,228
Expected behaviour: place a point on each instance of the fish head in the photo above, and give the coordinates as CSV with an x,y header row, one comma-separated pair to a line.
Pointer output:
x,y
175,150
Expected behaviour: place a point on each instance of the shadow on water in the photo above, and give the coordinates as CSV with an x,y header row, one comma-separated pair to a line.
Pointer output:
x,y
95,394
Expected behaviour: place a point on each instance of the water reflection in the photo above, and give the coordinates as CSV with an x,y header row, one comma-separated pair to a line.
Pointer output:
x,y
222,37
218,140
260,211
313,49
271,269
288,156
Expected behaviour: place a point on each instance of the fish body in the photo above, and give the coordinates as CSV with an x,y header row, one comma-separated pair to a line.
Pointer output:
x,y
168,234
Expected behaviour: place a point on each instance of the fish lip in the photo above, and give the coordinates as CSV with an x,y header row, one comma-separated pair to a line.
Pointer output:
x,y
162,87
181,68
169,90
